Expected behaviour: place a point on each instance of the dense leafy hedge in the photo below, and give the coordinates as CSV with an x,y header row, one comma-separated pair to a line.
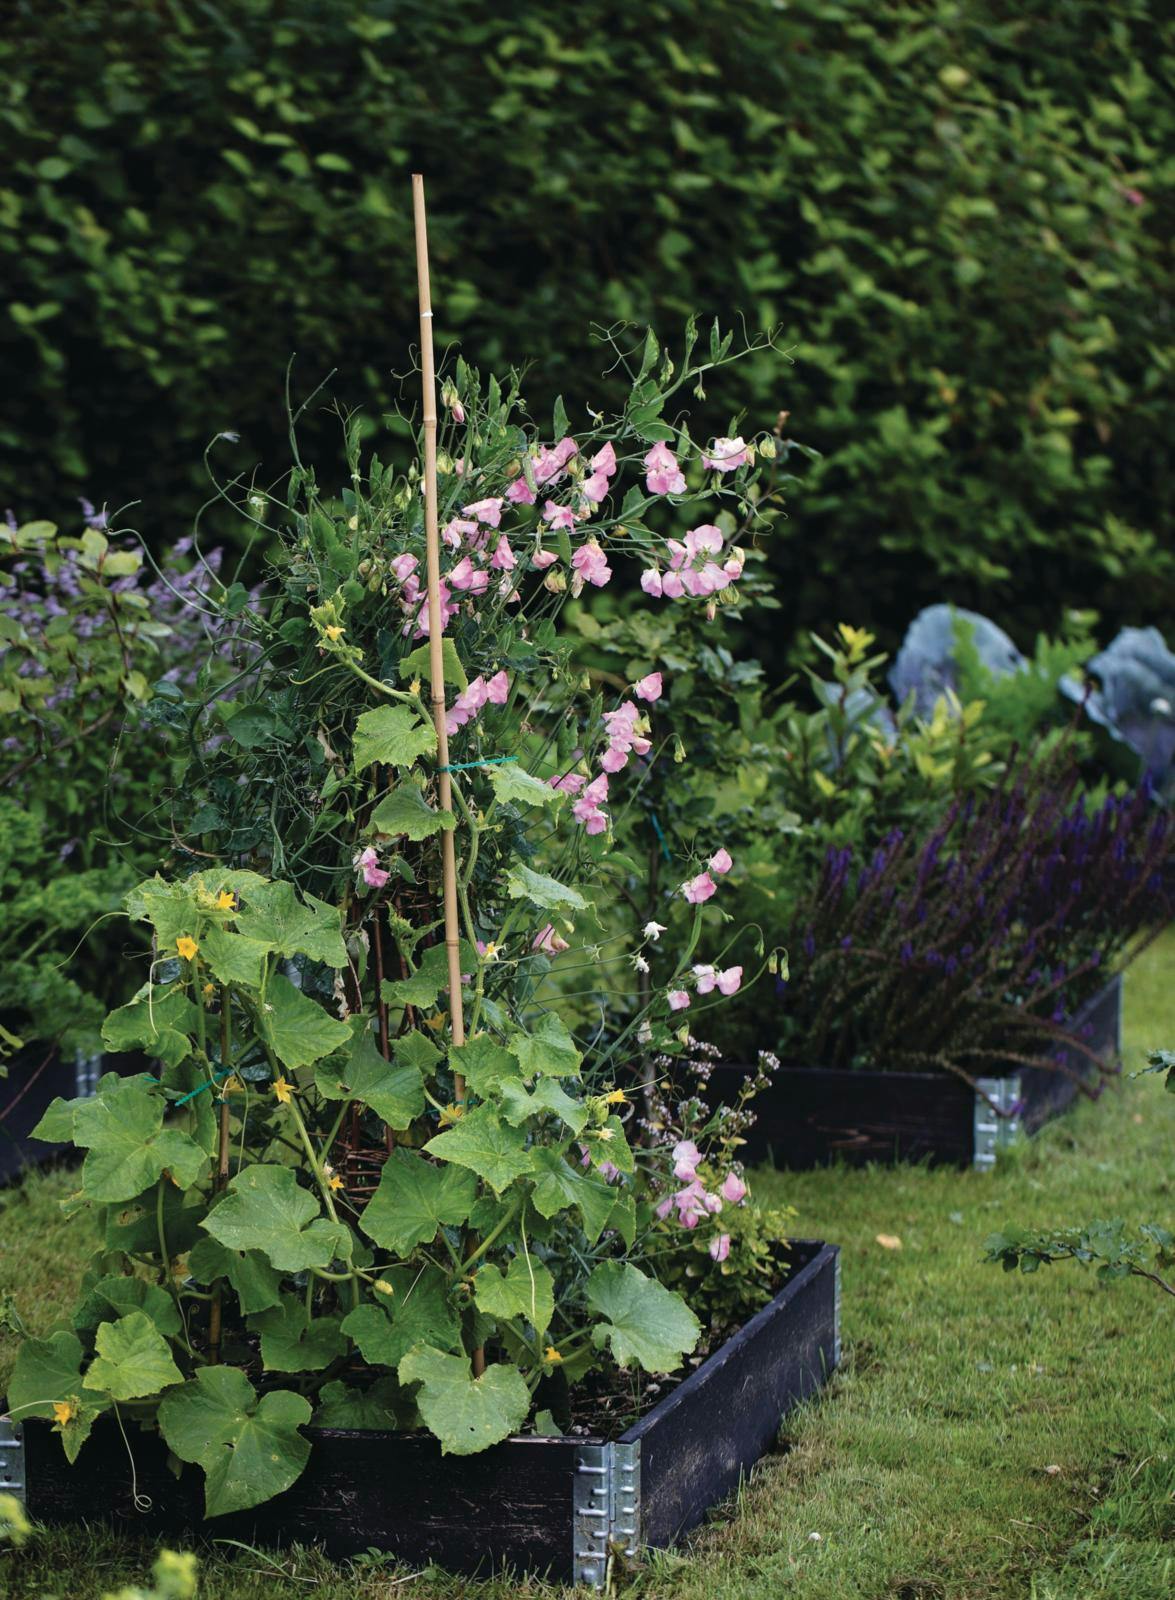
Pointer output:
x,y
955,210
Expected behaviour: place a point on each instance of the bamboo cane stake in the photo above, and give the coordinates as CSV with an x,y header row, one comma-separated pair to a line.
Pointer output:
x,y
436,659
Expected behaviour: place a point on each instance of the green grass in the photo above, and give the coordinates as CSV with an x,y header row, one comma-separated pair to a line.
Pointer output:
x,y
989,1437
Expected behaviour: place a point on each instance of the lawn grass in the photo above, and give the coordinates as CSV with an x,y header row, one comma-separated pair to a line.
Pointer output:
x,y
989,1437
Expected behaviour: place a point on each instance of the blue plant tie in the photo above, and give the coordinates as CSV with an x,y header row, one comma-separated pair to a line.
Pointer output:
x,y
464,766
215,1079
657,830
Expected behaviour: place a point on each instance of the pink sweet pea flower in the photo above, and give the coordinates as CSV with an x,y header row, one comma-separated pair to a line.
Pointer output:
x,y
686,1156
487,511
725,455
651,581
721,861
403,566
456,529
707,978
614,759
672,586
730,981
569,783
466,576
604,460
720,1247
665,1207
594,488
544,558
374,875
698,890
547,939
497,689
705,539
678,1000
662,473
503,558
520,493
591,564
559,516
648,688
733,1189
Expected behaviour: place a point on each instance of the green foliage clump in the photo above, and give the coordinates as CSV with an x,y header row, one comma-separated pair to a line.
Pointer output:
x,y
957,215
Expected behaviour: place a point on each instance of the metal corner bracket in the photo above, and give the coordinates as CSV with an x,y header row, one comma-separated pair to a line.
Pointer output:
x,y
12,1459
606,1509
996,1120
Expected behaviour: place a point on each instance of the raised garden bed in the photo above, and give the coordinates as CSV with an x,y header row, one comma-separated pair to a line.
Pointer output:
x,y
36,1077
813,1115
559,1506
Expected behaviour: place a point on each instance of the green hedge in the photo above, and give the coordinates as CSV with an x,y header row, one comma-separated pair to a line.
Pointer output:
x,y
954,208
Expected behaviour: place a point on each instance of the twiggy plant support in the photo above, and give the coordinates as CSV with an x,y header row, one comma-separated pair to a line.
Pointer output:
x,y
436,659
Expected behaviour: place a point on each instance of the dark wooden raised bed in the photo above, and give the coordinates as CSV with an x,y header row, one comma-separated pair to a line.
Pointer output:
x,y
36,1076
813,1115
556,1506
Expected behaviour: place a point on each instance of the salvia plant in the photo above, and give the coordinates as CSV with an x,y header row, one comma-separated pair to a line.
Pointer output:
x,y
316,1204
975,943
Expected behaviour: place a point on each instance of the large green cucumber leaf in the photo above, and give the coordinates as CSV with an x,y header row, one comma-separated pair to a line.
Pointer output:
x,y
547,1050
485,1144
293,1341
559,1187
254,1282
299,1031
525,1289
406,811
414,1199
129,1148
250,1449
644,1321
133,1359
276,917
418,1311
264,1209
467,1414
393,735
393,1090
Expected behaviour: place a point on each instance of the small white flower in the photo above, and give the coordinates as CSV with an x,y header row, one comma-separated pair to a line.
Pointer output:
x,y
815,1538
640,963
1161,706
654,930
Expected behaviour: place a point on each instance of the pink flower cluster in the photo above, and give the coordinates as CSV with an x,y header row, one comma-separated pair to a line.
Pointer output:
x,y
481,692
663,475
623,737
694,1203
547,467
693,566
698,890
588,808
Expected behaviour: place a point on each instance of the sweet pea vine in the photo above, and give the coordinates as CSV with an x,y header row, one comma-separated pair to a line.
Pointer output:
x,y
315,1206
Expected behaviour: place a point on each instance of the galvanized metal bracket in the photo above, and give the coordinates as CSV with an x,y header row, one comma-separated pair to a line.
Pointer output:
x,y
13,1478
606,1504
997,1121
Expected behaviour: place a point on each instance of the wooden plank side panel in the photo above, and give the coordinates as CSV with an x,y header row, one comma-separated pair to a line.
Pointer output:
x,y
812,1116
698,1443
509,1505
